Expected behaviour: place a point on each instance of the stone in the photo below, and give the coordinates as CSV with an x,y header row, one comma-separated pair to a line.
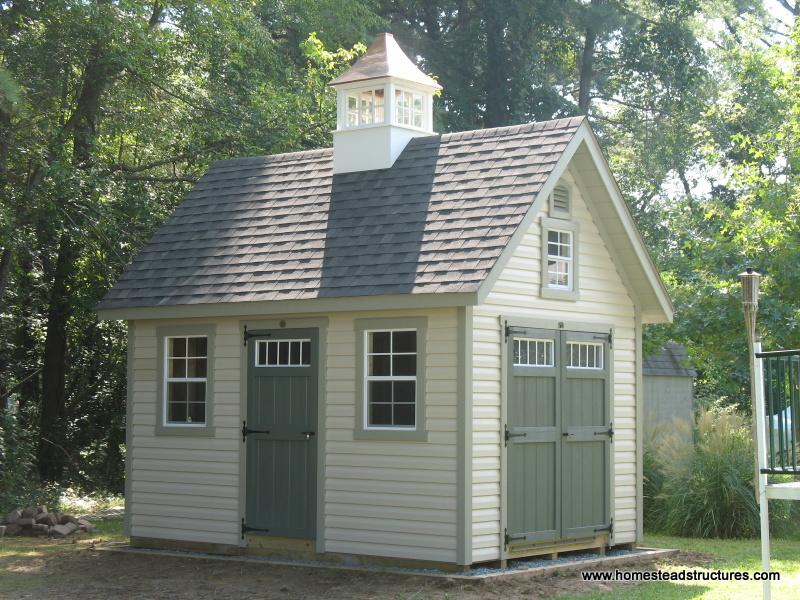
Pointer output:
x,y
85,525
41,509
48,519
12,529
2,531
13,516
40,529
29,513
67,519
26,522
63,530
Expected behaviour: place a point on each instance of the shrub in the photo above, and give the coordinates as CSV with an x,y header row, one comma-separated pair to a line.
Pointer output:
x,y
19,480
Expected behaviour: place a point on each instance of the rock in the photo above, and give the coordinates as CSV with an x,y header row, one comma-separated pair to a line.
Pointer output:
x,y
2,531
41,509
29,513
13,516
48,519
85,525
67,519
12,529
63,530
26,522
40,529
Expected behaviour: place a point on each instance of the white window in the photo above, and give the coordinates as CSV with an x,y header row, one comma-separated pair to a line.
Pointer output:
x,y
559,259
408,108
365,107
283,353
390,381
186,380
584,355
533,353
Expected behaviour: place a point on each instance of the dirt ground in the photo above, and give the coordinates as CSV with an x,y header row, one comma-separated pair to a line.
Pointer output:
x,y
92,574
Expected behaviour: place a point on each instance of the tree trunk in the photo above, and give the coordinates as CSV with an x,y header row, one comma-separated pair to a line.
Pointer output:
x,y
496,80
54,367
587,58
5,272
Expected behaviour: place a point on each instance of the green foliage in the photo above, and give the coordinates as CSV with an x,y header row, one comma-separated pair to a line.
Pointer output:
x,y
19,484
704,487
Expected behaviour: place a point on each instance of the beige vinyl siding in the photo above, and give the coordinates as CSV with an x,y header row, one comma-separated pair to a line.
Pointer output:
x,y
382,498
186,488
603,299
392,498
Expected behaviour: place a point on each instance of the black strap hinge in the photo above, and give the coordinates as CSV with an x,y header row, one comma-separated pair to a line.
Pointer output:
x,y
609,528
246,529
246,335
608,337
246,430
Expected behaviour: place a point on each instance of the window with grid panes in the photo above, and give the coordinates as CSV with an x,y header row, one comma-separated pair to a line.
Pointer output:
x,y
186,380
390,379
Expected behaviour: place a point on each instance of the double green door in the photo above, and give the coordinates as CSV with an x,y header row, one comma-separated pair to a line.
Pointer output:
x,y
280,433
558,436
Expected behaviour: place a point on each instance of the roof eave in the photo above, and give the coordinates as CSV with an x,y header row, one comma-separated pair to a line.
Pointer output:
x,y
286,307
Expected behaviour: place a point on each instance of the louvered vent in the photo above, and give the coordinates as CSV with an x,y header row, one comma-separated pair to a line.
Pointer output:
x,y
561,199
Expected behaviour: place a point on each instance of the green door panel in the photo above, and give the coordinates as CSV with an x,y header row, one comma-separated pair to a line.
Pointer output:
x,y
558,440
585,448
534,494
280,484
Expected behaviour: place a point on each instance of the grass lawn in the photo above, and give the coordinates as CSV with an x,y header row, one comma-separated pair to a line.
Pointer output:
x,y
726,555
75,569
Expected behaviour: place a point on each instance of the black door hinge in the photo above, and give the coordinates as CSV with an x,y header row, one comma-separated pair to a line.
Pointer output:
x,y
507,331
508,538
609,432
246,430
246,529
246,335
607,337
508,435
609,528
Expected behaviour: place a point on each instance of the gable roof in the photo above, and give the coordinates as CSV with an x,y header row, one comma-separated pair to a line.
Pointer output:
x,y
384,58
433,230
284,227
672,361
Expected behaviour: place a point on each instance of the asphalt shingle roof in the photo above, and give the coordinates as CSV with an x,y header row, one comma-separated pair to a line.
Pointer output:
x,y
673,360
283,227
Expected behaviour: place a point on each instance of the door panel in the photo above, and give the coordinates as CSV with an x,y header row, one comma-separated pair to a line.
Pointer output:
x,y
557,436
586,423
281,464
533,444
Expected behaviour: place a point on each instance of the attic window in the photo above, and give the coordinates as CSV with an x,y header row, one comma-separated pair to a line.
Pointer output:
x,y
560,201
408,108
365,107
560,256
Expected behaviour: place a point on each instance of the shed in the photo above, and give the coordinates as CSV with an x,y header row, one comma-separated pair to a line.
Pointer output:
x,y
410,347
668,386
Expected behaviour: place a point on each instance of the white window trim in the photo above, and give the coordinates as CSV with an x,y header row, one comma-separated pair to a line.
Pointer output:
x,y
354,91
560,293
368,378
595,345
290,366
168,380
550,342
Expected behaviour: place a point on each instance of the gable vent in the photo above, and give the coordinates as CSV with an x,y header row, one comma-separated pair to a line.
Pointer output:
x,y
560,199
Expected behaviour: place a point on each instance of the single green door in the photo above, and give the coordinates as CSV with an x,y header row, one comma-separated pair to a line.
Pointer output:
x,y
280,433
558,436
585,434
533,438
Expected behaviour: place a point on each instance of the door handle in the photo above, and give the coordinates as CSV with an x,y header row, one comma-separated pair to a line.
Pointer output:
x,y
308,434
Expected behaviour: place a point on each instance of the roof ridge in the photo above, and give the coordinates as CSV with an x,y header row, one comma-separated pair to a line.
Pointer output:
x,y
515,129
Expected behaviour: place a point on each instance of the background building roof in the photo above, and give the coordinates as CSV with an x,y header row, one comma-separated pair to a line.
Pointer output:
x,y
673,360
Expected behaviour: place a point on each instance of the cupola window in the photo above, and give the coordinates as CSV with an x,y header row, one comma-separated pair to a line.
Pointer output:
x,y
365,107
409,108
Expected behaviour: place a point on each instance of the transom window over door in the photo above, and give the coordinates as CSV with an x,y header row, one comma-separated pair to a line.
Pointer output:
x,y
186,380
390,379
283,353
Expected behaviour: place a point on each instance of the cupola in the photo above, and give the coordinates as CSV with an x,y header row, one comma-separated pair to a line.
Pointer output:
x,y
382,102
